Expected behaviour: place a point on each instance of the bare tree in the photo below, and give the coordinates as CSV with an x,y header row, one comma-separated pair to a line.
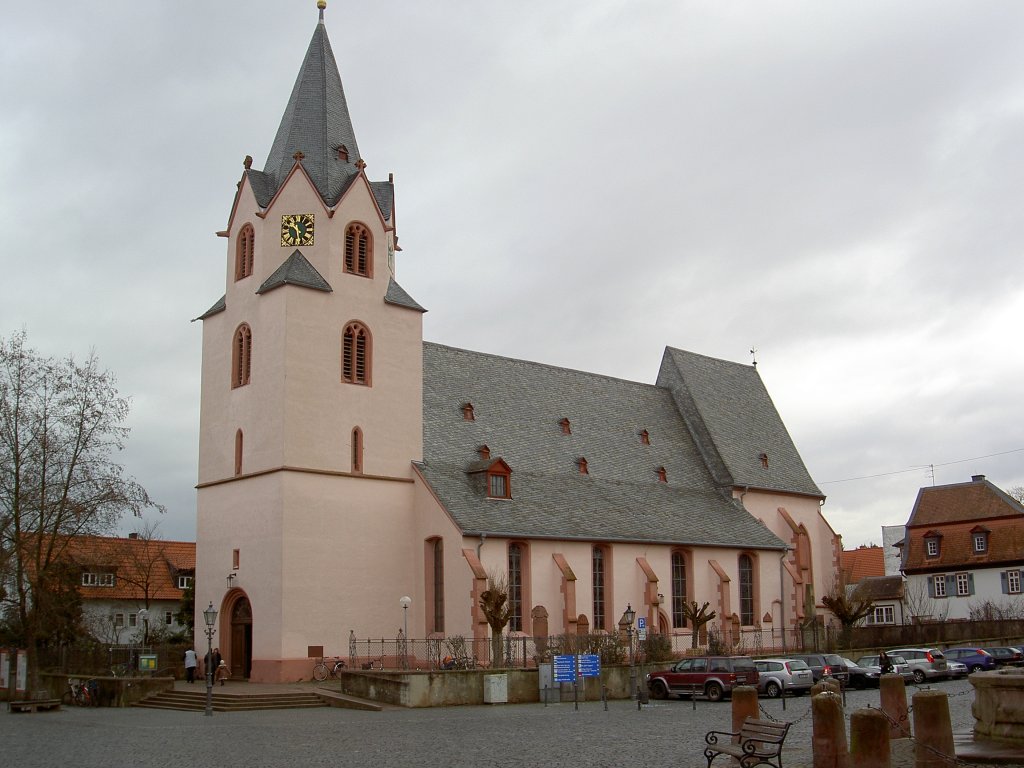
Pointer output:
x,y
1017,493
61,423
698,617
497,611
143,560
919,604
847,606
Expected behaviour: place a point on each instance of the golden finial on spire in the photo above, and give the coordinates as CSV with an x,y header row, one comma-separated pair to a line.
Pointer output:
x,y
321,4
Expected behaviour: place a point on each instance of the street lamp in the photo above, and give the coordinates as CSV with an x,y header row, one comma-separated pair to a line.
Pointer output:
x,y
627,619
144,616
210,617
406,601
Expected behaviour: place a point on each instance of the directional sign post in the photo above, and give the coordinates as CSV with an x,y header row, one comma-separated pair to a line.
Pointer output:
x,y
565,669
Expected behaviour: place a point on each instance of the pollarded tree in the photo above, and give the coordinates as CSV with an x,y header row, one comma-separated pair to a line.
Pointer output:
x,y
61,425
497,611
698,617
847,607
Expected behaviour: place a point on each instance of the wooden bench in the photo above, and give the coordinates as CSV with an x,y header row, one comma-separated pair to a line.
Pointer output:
x,y
33,705
760,741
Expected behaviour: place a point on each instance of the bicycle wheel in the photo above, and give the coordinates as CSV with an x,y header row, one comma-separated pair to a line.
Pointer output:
x,y
320,672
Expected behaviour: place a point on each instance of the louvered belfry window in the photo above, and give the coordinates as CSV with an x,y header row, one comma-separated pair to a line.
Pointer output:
x,y
355,355
357,250
241,356
244,252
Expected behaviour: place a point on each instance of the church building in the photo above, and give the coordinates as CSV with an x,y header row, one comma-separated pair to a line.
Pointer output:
x,y
346,463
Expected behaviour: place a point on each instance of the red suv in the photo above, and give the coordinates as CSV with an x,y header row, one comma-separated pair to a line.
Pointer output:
x,y
712,676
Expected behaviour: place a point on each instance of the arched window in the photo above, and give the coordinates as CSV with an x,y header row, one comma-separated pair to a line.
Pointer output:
x,y
355,355
244,252
238,452
241,356
599,574
746,567
358,250
435,584
357,450
515,587
678,589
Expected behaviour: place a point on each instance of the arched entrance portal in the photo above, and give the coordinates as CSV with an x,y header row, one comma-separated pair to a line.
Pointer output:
x,y
241,638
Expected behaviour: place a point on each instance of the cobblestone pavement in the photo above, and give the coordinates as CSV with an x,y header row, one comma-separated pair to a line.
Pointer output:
x,y
665,733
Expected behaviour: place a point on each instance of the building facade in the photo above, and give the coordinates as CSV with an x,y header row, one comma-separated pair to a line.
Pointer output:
x,y
345,463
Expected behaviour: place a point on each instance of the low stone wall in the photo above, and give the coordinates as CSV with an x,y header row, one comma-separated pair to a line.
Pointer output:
x,y
113,691
999,705
446,688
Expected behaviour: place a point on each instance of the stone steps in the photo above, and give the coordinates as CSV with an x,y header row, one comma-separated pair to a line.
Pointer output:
x,y
195,701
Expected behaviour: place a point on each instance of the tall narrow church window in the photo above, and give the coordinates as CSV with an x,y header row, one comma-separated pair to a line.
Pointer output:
x,y
515,587
358,250
678,589
238,452
241,356
357,450
598,573
435,584
355,355
746,567
244,252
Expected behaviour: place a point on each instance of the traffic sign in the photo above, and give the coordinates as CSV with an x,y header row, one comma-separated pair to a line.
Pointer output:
x,y
641,623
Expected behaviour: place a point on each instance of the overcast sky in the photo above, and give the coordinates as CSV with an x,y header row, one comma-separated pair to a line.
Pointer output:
x,y
578,183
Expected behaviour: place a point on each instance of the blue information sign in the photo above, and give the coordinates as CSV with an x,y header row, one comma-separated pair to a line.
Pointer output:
x,y
565,669
590,665
641,622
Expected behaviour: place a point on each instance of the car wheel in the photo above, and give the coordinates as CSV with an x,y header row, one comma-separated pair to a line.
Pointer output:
x,y
977,668
772,690
714,692
659,690
918,676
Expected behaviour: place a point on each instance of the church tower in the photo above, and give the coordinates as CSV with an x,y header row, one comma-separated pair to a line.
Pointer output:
x,y
311,412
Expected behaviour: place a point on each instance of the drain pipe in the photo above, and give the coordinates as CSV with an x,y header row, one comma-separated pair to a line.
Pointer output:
x,y
782,594
483,537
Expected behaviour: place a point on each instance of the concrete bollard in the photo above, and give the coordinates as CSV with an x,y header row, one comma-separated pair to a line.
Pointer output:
x,y
829,740
893,692
869,739
933,730
825,684
744,705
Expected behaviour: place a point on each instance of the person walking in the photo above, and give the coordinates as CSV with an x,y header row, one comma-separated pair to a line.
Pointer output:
x,y
222,671
885,663
190,665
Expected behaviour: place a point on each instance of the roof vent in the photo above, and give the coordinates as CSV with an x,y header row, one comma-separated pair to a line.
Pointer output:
x,y
133,535
484,451
764,460
566,428
467,412
977,478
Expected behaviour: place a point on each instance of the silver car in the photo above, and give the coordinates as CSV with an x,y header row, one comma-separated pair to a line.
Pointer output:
x,y
776,676
925,663
899,667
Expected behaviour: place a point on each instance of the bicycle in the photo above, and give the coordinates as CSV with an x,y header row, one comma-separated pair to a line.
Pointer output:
x,y
326,667
373,663
82,693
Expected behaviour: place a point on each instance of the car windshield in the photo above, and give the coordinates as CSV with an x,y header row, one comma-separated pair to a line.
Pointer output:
x,y
835,660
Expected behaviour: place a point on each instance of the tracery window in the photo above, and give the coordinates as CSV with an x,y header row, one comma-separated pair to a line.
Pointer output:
x,y
358,250
355,354
241,356
244,248
678,589
746,568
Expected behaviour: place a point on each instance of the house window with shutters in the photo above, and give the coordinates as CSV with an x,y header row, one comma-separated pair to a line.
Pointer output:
x,y
963,584
939,585
932,547
358,250
1011,582
356,354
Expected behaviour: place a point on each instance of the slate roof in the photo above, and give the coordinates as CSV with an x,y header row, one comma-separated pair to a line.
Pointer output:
x,y
316,122
296,270
397,295
518,407
218,306
733,422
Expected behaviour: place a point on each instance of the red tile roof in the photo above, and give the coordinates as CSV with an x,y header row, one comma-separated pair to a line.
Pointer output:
x,y
135,563
862,562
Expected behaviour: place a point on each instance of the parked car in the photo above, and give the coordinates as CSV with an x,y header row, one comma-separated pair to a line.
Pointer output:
x,y
956,670
712,676
825,665
778,676
976,659
899,666
1007,656
925,663
861,677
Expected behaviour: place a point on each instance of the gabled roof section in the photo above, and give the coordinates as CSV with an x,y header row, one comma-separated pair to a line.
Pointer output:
x,y
316,122
219,306
875,588
963,502
384,194
518,405
296,270
862,563
397,295
135,563
734,423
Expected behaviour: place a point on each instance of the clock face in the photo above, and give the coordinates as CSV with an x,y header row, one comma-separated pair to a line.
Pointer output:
x,y
297,229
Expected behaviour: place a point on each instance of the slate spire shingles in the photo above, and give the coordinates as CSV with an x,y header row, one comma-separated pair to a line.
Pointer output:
x,y
316,122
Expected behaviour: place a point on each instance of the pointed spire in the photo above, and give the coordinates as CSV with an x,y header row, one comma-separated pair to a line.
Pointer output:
x,y
316,123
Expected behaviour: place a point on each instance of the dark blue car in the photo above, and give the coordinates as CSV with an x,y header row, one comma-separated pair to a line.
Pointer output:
x,y
976,659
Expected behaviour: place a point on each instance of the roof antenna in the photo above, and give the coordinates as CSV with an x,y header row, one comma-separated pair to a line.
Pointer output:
x,y
321,4
753,355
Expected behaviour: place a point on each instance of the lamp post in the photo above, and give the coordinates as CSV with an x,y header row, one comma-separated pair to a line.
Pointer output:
x,y
210,617
627,619
405,602
144,616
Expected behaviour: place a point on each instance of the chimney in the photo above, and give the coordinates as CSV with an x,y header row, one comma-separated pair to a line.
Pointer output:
x,y
977,478
133,535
